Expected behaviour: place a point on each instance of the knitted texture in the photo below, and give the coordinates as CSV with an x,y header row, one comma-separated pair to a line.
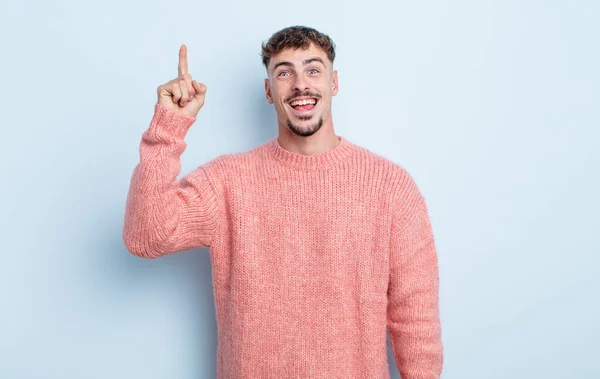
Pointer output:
x,y
313,256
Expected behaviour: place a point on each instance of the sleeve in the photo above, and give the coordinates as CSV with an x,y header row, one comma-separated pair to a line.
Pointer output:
x,y
164,215
413,318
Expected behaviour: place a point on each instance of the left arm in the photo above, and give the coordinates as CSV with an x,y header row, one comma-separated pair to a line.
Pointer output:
x,y
413,293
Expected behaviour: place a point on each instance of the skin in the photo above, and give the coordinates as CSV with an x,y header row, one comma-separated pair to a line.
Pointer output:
x,y
183,94
291,73
303,73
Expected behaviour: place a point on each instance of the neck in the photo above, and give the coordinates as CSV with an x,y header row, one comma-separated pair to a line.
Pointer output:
x,y
322,141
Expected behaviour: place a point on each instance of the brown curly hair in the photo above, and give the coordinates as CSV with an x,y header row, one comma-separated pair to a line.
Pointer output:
x,y
295,37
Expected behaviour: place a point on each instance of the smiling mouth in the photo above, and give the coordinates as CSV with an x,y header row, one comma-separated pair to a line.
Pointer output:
x,y
304,105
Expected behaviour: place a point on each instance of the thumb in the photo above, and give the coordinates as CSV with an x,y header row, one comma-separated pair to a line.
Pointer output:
x,y
200,89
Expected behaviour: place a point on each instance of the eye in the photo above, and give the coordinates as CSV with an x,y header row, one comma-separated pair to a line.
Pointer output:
x,y
313,71
283,73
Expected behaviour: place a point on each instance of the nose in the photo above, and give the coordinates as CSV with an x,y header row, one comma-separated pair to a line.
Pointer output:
x,y
301,83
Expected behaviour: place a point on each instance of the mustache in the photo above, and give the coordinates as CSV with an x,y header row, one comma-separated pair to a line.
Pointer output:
x,y
301,94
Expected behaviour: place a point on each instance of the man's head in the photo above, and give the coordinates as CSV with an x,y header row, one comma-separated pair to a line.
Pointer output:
x,y
301,79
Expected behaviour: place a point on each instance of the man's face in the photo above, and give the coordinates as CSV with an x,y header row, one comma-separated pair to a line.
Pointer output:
x,y
300,84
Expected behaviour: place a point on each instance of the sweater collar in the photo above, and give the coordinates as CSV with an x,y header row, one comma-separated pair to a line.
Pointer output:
x,y
314,162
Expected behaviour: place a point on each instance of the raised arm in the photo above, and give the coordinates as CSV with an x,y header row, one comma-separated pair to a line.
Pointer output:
x,y
164,215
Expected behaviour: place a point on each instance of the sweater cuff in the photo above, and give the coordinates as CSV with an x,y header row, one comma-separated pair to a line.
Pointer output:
x,y
170,122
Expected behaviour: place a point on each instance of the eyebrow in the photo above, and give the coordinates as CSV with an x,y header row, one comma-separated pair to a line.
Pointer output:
x,y
304,63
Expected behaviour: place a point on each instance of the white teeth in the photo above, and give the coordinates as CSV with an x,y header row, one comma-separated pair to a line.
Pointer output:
x,y
303,102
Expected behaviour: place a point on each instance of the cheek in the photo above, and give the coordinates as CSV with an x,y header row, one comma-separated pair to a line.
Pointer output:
x,y
278,94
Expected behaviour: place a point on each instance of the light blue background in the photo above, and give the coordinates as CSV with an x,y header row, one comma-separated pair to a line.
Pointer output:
x,y
491,105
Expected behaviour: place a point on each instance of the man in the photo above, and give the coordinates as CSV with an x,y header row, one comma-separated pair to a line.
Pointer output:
x,y
316,244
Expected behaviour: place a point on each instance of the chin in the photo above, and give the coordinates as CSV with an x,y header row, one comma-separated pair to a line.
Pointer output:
x,y
305,128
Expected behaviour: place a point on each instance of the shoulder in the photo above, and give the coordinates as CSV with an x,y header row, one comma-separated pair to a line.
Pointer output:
x,y
395,174
235,164
397,182
398,185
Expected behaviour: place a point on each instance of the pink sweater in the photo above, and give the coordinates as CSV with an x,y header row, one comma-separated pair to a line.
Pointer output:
x,y
313,256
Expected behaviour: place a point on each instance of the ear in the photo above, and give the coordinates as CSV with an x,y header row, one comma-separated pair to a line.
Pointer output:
x,y
268,91
334,83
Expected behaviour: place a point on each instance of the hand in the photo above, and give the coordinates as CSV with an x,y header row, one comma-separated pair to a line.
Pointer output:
x,y
182,94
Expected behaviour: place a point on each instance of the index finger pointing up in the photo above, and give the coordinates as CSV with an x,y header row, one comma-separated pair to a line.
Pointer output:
x,y
183,64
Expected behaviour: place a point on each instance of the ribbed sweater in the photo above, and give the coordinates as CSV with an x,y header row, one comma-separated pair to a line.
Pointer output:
x,y
313,256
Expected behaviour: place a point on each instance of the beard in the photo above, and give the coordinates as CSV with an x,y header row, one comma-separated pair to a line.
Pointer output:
x,y
305,132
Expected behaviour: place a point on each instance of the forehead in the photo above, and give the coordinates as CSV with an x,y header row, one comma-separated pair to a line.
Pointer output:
x,y
297,56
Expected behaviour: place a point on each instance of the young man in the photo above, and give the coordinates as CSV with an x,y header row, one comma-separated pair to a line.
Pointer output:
x,y
317,245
